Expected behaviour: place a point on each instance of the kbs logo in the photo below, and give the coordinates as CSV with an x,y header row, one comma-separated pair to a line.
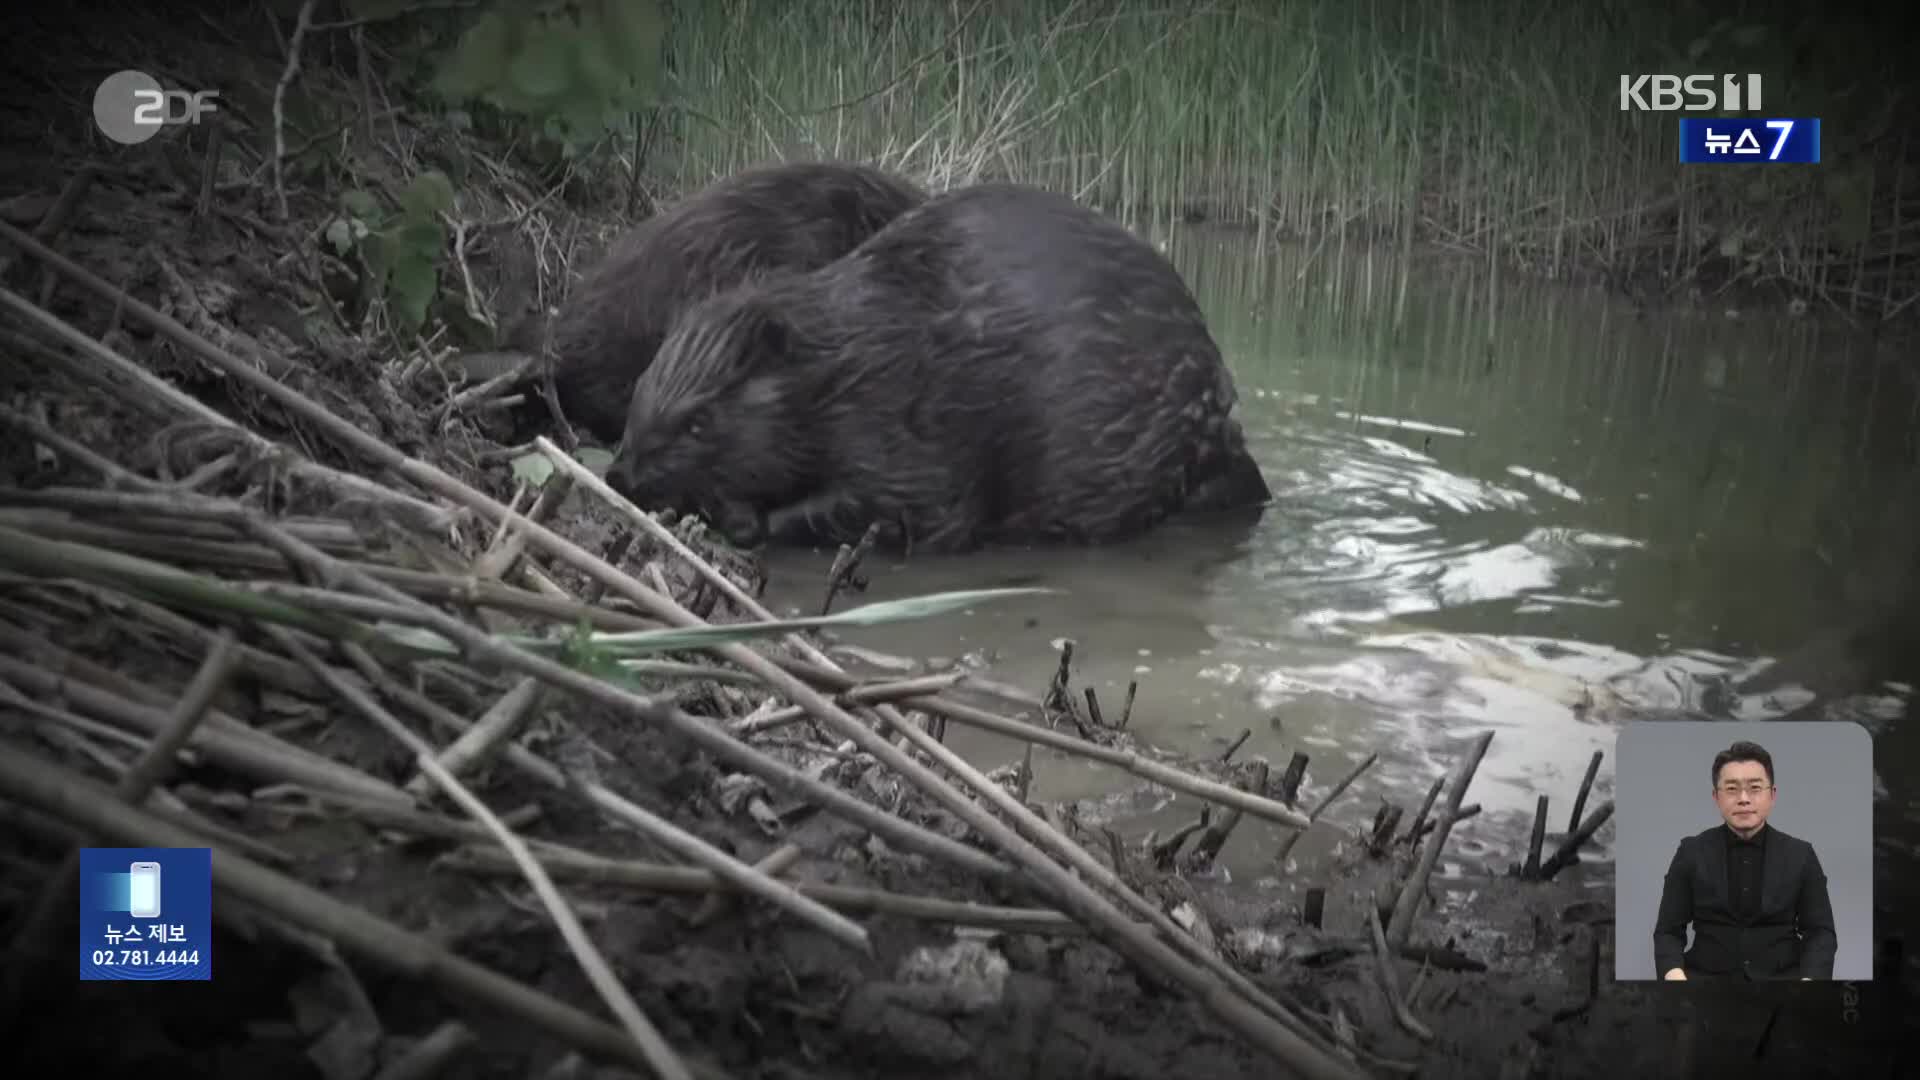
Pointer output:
x,y
1692,93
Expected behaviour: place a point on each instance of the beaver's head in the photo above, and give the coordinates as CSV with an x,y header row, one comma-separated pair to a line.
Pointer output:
x,y
715,423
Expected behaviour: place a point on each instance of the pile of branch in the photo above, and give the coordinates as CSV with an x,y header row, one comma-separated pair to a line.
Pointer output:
x,y
314,608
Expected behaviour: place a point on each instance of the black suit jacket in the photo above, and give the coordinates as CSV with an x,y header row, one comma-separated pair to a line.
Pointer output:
x,y
1789,937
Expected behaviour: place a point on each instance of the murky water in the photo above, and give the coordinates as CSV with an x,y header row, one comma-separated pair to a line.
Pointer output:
x,y
1502,506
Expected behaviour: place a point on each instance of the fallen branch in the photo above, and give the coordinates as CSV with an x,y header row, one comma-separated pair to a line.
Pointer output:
x,y
1569,852
1327,800
652,877
1415,886
1383,965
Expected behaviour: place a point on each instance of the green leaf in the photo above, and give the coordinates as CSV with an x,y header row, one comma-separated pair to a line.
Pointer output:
x,y
380,252
532,469
595,459
340,235
410,288
420,237
360,204
429,194
644,642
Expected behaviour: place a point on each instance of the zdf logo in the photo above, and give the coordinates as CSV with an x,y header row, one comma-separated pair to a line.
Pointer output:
x,y
1694,93
131,106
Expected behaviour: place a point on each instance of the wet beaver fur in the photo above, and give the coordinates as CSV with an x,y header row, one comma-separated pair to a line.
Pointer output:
x,y
998,365
796,216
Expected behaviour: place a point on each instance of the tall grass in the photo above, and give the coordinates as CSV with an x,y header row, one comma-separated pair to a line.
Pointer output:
x,y
1491,126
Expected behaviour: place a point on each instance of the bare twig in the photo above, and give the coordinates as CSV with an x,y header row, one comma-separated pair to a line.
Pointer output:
x,y
1531,868
844,575
428,1058
579,866
1586,786
1327,800
1383,964
287,75
151,388
1569,852
1415,887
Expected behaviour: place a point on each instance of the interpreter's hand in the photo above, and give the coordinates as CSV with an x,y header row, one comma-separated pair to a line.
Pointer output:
x,y
1676,975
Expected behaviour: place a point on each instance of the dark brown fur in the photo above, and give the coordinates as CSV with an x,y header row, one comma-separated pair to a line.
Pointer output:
x,y
791,217
1000,364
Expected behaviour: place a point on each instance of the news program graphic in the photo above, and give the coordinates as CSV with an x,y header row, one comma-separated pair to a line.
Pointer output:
x,y
1743,848
1725,140
146,914
131,106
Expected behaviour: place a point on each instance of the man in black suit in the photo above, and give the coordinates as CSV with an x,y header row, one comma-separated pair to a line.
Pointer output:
x,y
1756,897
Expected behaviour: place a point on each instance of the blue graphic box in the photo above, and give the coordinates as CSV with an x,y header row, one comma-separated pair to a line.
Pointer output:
x,y
146,914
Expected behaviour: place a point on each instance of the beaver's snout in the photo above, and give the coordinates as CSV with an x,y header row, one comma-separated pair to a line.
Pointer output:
x,y
744,525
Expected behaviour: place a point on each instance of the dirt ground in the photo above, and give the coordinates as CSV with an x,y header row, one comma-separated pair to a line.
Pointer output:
x,y
745,990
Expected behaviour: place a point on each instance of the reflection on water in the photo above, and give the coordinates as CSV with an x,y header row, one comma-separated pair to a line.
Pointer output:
x,y
1541,516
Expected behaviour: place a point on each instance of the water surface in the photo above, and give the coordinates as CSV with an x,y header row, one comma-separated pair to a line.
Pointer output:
x,y
1501,505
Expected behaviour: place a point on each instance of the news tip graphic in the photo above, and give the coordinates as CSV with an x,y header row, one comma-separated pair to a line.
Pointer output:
x,y
1724,140
146,914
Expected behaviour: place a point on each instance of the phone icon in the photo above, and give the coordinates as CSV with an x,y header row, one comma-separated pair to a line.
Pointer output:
x,y
144,893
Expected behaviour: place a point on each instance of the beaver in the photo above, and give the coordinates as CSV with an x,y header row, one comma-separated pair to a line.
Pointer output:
x,y
1000,365
795,216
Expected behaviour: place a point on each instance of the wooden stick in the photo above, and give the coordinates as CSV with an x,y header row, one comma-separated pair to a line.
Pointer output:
x,y
1419,827
1569,852
1383,965
580,866
1586,785
1415,887
1531,868
1286,845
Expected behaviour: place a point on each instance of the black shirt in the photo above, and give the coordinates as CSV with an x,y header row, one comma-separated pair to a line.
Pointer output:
x,y
1745,859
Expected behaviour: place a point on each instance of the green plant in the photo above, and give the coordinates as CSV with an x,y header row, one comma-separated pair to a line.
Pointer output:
x,y
578,69
402,249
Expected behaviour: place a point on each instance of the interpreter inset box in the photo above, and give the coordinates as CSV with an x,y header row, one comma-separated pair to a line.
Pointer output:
x,y
1743,851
